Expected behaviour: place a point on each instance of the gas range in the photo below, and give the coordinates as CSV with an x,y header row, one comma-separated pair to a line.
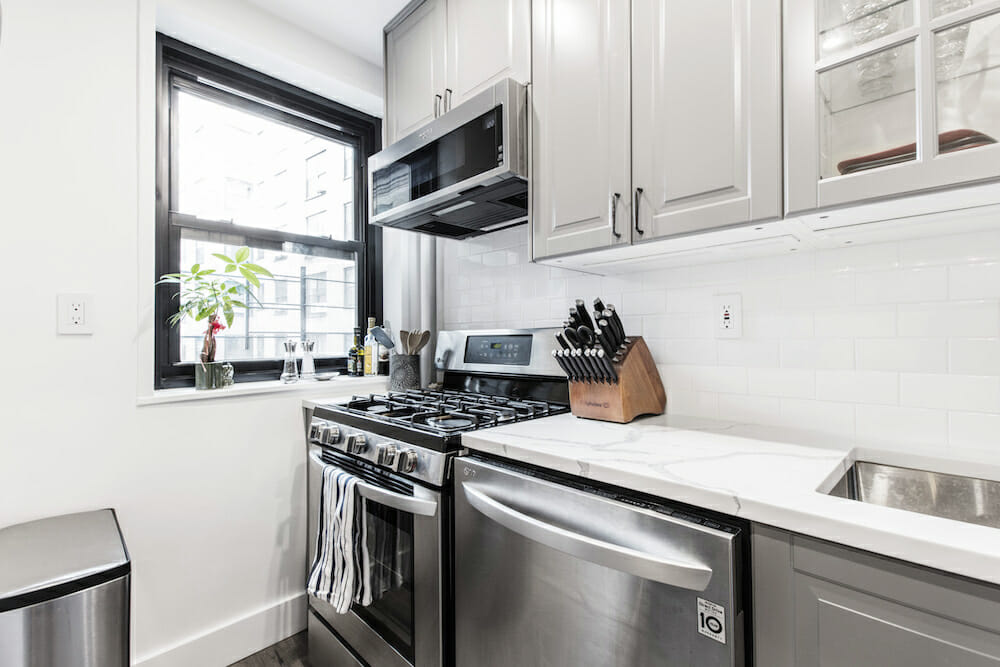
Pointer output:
x,y
491,378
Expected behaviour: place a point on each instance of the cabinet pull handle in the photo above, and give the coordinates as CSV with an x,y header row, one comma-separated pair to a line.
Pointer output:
x,y
614,210
437,106
638,196
447,99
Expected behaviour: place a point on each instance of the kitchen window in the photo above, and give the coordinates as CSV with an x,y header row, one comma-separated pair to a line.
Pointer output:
x,y
244,160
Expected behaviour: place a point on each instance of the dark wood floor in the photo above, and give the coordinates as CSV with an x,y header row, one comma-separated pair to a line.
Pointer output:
x,y
292,652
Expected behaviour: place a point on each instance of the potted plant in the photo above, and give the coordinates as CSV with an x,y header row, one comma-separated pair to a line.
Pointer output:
x,y
204,294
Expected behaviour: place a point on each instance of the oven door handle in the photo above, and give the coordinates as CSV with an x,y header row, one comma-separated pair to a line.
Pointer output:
x,y
390,499
692,576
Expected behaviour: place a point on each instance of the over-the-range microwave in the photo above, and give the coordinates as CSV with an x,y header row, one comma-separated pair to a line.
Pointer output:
x,y
463,174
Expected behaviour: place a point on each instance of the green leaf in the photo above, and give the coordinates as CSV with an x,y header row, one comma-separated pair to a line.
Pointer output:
x,y
237,302
250,276
242,255
256,268
230,268
225,259
206,272
195,268
228,314
205,312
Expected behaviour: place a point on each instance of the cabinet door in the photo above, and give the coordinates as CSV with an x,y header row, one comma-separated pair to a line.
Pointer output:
x,y
888,98
488,40
579,125
414,70
706,108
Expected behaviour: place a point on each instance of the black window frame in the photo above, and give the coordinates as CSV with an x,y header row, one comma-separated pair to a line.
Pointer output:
x,y
180,64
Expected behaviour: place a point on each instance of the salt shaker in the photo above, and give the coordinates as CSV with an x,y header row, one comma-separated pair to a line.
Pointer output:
x,y
308,371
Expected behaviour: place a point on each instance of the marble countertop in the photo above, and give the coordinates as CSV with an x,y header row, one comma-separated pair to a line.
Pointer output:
x,y
770,476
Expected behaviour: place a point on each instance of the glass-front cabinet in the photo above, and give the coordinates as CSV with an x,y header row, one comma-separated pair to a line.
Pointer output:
x,y
888,97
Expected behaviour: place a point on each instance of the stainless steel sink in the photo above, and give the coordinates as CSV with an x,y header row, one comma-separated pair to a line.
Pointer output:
x,y
949,496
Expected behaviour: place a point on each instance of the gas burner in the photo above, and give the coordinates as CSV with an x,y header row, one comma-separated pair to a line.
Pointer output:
x,y
452,421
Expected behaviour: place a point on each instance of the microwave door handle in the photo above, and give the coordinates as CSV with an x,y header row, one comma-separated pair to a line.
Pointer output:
x,y
691,576
391,499
437,105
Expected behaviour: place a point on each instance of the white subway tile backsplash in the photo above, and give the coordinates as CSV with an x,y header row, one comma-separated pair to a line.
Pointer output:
x,y
910,428
950,319
919,355
903,285
975,393
974,356
894,343
785,382
971,430
818,353
974,281
873,387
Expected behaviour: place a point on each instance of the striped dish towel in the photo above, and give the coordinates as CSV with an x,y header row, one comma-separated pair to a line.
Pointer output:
x,y
341,570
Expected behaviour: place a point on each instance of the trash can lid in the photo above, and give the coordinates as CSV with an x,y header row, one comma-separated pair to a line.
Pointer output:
x,y
49,558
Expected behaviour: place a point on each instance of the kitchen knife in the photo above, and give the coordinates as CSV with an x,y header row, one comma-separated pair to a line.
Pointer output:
x,y
571,362
609,366
602,373
562,341
610,334
563,364
572,337
585,367
584,316
599,305
615,320
574,318
601,336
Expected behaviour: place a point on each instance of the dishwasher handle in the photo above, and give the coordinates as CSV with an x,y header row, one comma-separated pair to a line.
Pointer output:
x,y
691,576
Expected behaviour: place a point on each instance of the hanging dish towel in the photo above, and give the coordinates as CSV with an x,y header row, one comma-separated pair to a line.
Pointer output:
x,y
341,570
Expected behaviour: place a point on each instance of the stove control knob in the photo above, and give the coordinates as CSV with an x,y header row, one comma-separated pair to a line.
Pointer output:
x,y
314,431
407,461
356,444
385,455
329,435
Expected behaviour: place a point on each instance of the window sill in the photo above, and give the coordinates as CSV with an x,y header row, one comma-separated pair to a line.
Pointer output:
x,y
338,386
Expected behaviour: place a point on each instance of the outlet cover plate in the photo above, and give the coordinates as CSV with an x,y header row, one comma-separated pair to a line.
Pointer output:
x,y
74,314
728,316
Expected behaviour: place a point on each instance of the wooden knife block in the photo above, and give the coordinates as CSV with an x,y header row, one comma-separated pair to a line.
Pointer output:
x,y
639,390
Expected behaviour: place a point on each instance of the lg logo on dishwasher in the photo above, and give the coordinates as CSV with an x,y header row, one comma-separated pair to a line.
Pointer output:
x,y
712,620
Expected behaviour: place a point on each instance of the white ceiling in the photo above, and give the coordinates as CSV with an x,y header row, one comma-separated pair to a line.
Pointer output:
x,y
353,25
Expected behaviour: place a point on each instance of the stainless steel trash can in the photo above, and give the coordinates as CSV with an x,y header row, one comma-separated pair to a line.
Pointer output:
x,y
64,592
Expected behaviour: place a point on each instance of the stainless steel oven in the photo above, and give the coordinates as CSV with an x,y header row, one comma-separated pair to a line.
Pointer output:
x,y
403,626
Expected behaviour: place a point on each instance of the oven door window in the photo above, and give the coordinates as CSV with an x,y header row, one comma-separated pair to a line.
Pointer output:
x,y
390,549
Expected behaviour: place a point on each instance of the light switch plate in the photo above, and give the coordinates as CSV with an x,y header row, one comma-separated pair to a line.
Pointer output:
x,y
74,314
728,316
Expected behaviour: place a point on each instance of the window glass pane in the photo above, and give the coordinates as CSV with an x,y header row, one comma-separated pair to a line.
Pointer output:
x,y
845,24
942,7
311,296
967,65
236,166
868,112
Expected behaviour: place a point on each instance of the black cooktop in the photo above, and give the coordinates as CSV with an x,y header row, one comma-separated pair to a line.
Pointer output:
x,y
435,419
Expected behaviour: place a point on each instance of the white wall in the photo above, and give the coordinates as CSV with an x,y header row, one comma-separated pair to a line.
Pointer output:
x,y
894,344
210,494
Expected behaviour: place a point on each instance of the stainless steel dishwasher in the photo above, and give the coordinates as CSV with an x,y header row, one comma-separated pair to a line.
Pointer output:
x,y
551,571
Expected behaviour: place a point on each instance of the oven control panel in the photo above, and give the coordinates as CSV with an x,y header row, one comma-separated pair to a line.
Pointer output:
x,y
393,455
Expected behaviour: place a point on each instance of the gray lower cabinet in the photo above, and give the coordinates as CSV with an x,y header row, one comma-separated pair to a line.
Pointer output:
x,y
821,605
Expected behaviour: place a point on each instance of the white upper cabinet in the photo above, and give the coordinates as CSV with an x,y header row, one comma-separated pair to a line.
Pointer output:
x,y
415,62
673,105
706,114
579,125
488,40
888,97
446,51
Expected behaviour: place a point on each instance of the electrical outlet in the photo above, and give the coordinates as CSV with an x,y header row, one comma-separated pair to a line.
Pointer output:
x,y
728,316
74,313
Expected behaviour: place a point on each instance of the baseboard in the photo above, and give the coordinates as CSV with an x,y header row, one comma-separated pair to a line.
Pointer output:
x,y
233,641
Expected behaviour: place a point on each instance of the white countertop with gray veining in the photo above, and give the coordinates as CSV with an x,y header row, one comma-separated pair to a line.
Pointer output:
x,y
771,476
